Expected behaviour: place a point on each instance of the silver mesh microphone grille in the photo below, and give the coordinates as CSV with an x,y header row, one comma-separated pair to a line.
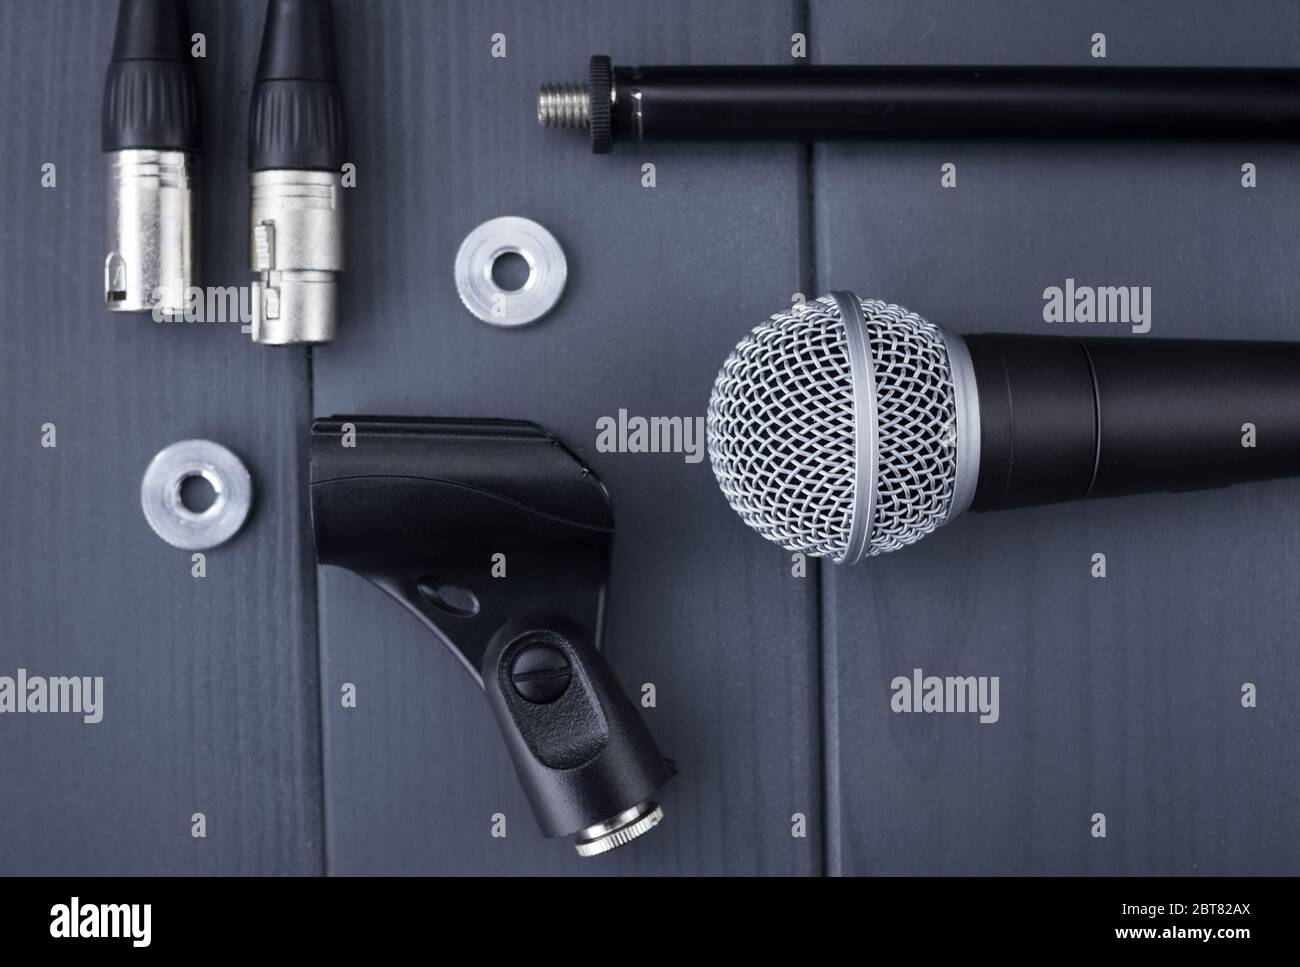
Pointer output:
x,y
783,432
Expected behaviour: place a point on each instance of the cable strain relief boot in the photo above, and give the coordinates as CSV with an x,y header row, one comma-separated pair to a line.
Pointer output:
x,y
151,100
296,118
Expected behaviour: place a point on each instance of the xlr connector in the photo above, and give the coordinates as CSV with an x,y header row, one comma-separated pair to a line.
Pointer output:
x,y
296,155
151,144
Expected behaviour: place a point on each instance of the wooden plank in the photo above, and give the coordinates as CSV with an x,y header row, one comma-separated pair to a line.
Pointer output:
x,y
1119,695
662,282
210,685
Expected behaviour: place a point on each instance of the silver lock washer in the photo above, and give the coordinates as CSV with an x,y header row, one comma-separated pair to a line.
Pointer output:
x,y
160,494
547,271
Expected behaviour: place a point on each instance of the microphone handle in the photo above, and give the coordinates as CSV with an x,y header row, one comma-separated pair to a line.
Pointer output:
x,y
1065,418
809,103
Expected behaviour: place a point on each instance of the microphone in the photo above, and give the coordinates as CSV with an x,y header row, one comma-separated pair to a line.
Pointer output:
x,y
847,427
295,154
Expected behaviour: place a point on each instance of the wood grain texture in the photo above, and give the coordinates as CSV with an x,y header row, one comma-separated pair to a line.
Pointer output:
x,y
661,284
211,685
1120,695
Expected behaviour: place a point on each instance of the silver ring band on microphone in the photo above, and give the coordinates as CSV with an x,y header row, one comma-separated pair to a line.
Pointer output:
x,y
867,442
966,432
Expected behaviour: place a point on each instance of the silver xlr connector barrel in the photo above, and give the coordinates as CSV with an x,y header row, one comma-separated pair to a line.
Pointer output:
x,y
296,243
151,230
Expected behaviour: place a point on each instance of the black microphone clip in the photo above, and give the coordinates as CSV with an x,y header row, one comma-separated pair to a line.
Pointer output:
x,y
498,539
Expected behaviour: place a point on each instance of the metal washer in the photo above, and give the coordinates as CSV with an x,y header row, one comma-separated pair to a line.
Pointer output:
x,y
160,494
547,271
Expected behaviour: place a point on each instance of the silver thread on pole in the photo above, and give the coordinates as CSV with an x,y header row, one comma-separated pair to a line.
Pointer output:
x,y
564,106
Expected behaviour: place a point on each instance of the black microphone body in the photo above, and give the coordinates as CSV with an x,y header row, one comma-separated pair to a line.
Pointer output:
x,y
1065,418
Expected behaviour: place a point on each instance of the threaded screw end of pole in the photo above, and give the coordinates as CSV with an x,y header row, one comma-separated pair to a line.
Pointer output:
x,y
564,106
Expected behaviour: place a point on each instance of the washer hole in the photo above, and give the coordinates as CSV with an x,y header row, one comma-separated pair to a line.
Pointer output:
x,y
198,493
511,270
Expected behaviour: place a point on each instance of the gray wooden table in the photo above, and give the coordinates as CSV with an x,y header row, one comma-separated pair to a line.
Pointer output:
x,y
1119,695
